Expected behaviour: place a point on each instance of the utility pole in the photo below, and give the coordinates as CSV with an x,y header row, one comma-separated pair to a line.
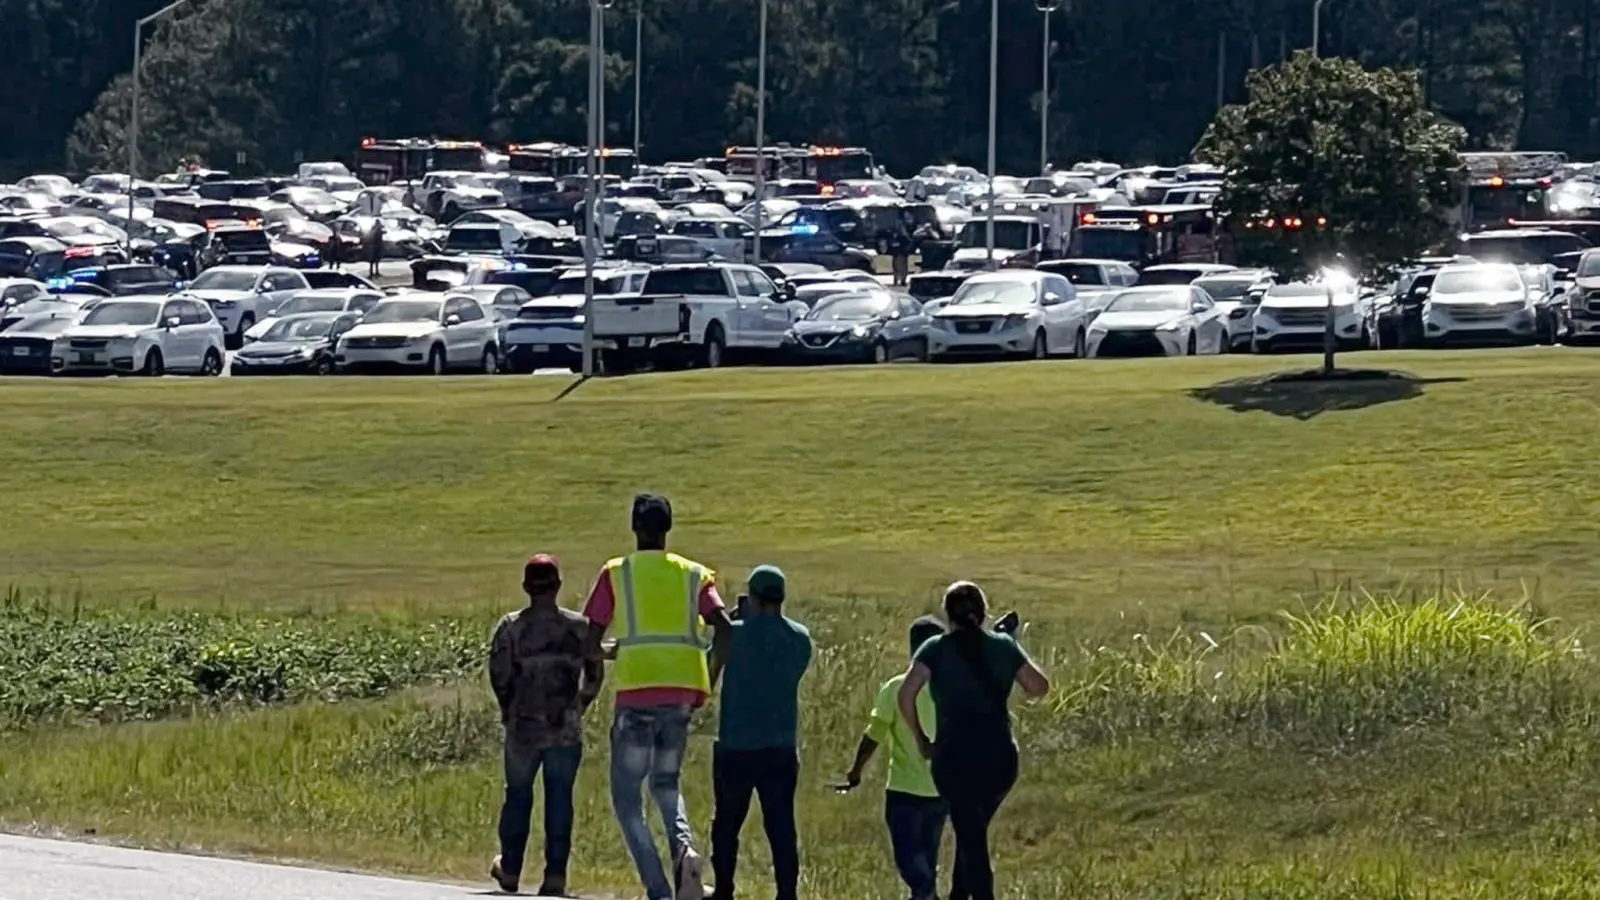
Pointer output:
x,y
133,118
761,128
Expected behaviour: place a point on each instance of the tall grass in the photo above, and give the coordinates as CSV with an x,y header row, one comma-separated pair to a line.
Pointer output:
x,y
1361,747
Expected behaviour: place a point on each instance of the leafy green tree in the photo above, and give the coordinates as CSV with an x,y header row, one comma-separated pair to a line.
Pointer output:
x,y
1330,163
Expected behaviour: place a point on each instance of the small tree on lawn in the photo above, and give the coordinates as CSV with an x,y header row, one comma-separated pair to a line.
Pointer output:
x,y
1329,163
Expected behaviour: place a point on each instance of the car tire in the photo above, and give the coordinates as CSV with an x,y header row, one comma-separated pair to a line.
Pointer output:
x,y
211,365
1080,346
491,360
154,366
1041,346
880,352
323,365
438,364
713,352
1547,331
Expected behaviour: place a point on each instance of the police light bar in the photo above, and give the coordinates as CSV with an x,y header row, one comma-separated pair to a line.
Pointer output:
x,y
58,284
368,142
79,252
825,190
804,229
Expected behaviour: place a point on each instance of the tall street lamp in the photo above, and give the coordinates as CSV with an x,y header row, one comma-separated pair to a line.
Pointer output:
x,y
133,120
994,93
1316,29
638,70
591,183
761,127
1046,7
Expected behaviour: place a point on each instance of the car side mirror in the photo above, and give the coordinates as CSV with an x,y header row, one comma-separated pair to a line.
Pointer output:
x,y
172,322
1197,308
1052,299
451,320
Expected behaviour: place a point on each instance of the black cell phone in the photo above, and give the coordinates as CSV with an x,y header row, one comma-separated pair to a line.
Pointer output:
x,y
740,606
1009,623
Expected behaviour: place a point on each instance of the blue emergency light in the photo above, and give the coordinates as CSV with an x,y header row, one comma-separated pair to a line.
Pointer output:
x,y
55,284
804,229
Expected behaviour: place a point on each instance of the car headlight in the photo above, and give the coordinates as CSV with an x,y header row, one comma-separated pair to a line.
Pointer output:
x,y
941,324
860,331
1174,325
420,339
789,337
1014,321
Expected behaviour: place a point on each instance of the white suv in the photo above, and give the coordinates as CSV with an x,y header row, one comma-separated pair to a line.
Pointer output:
x,y
422,332
1295,317
1479,303
141,335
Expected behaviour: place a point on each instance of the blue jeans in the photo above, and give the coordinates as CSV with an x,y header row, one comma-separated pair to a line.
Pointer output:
x,y
916,828
560,766
648,744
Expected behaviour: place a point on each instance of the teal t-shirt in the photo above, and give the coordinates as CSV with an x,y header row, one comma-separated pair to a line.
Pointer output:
x,y
760,705
970,687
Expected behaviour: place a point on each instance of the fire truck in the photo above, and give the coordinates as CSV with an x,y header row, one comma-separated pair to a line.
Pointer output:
x,y
385,161
557,160
1504,187
825,165
1152,235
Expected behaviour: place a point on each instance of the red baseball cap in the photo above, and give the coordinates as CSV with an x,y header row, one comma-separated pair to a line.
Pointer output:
x,y
542,565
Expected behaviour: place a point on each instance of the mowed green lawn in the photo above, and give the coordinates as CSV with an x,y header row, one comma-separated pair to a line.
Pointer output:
x,y
1076,491
1104,500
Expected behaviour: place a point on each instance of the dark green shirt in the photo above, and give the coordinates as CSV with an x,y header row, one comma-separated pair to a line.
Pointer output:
x,y
760,707
970,687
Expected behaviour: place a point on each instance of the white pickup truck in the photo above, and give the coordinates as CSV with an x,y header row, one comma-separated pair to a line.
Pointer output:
x,y
687,315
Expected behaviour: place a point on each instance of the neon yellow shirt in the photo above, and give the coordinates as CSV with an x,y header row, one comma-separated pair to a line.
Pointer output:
x,y
909,773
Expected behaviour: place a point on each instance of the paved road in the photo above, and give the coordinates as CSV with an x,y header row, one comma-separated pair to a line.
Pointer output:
x,y
36,869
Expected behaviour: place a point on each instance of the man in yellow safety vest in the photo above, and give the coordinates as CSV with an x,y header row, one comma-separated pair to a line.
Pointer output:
x,y
659,601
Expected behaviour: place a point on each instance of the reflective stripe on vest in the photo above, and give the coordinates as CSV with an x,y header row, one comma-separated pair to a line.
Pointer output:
x,y
633,638
658,641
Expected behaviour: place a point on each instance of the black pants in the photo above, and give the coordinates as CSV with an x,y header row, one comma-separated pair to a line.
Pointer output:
x,y
916,828
771,775
974,781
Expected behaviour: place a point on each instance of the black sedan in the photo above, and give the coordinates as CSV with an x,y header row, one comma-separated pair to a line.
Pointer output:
x,y
299,344
25,346
872,326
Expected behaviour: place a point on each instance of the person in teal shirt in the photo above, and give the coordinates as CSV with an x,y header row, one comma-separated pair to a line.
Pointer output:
x,y
757,749
912,807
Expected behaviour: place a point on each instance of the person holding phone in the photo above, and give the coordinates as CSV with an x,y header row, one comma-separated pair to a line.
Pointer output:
x,y
970,671
912,807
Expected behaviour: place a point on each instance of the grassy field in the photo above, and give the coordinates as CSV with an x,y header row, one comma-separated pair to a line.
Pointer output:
x,y
1125,508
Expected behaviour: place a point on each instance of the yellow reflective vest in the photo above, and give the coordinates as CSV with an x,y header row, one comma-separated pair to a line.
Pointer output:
x,y
658,614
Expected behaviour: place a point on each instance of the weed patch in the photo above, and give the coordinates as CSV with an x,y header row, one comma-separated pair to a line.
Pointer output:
x,y
71,665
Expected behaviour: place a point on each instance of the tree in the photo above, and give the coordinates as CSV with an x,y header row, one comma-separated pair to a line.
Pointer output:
x,y
1330,163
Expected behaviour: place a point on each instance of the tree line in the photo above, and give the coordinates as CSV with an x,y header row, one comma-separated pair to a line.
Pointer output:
x,y
1130,80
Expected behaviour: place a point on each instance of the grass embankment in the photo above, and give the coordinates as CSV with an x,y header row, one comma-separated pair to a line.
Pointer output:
x,y
1116,504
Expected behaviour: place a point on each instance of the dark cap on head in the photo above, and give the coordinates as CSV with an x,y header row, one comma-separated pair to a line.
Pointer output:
x,y
923,630
652,514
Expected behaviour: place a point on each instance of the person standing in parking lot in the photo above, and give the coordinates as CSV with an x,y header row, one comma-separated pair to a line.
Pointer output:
x,y
900,247
375,247
970,671
757,751
334,252
662,673
545,674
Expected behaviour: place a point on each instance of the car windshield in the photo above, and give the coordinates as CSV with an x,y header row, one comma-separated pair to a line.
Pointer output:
x,y
312,329
972,293
1079,273
1590,266
124,314
473,237
49,325
572,283
313,303
1466,281
1166,276
404,311
221,280
1225,288
1008,234
851,307
1125,244
1149,301
310,195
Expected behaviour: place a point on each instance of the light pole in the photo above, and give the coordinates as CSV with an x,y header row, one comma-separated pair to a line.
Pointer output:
x,y
1316,29
994,93
133,119
590,186
638,71
761,127
1046,7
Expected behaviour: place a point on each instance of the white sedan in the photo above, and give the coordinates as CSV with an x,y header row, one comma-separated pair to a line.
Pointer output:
x,y
1020,312
144,336
1161,320
317,300
422,332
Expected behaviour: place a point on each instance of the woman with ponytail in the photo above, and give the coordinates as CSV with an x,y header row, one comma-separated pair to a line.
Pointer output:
x,y
970,671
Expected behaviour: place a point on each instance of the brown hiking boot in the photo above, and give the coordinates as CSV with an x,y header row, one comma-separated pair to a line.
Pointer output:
x,y
508,883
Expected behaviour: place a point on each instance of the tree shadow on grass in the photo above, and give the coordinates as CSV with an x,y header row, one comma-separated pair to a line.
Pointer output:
x,y
1309,393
